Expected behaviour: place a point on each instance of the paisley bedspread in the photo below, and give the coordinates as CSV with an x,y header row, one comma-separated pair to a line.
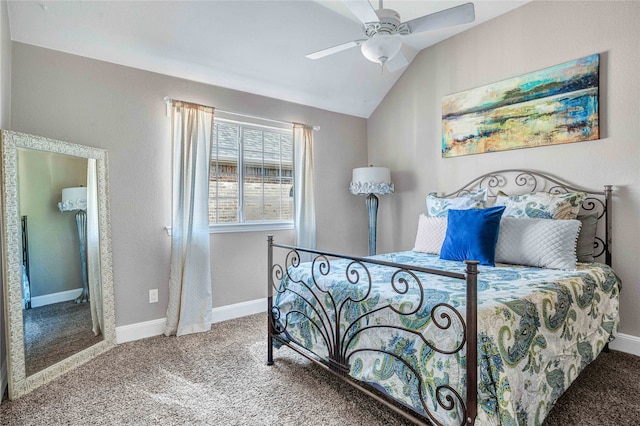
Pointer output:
x,y
537,329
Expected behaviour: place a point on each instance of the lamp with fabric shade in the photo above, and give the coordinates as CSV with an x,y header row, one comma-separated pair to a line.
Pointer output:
x,y
73,199
371,181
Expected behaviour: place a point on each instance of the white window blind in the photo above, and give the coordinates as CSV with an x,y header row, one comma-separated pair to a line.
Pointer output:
x,y
251,177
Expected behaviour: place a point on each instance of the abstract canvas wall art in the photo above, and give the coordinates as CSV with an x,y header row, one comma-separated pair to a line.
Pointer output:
x,y
552,106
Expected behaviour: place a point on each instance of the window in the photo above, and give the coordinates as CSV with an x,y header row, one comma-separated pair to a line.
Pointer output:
x,y
251,179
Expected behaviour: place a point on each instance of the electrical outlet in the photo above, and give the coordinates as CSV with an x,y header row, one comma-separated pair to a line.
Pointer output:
x,y
153,295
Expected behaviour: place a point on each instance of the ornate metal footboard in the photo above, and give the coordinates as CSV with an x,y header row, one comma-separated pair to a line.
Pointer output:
x,y
326,314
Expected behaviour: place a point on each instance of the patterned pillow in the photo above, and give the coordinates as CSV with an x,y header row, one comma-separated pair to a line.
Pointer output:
x,y
438,207
542,205
430,235
542,243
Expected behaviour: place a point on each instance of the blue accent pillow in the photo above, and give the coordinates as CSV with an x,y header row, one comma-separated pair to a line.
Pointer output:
x,y
472,235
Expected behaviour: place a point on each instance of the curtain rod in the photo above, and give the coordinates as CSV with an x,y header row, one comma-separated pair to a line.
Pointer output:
x,y
169,100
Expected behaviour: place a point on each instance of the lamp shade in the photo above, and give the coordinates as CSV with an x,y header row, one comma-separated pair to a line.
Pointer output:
x,y
73,199
371,180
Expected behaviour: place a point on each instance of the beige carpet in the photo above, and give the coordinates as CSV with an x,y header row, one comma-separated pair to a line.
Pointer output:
x,y
220,378
54,332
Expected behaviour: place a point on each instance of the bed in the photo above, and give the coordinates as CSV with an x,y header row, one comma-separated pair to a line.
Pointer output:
x,y
488,319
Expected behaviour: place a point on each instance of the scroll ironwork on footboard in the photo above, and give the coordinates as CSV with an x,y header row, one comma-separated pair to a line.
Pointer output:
x,y
342,314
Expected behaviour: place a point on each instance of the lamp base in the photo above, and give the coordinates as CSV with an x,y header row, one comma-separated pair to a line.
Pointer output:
x,y
81,224
372,207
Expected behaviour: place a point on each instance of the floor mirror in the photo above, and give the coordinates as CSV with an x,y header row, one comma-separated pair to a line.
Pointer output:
x,y
56,239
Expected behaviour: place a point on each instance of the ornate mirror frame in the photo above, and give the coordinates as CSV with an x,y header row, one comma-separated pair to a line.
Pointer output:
x,y
19,383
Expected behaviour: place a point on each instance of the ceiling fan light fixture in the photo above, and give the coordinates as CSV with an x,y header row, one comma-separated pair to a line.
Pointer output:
x,y
381,47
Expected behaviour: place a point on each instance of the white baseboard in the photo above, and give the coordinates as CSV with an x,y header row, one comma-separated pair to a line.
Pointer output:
x,y
626,343
127,333
238,310
141,330
48,299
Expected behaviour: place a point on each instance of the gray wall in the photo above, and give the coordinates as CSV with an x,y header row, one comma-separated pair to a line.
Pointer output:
x,y
5,67
5,121
121,109
405,130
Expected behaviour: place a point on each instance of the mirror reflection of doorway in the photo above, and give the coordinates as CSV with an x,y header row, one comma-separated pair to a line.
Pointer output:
x,y
54,326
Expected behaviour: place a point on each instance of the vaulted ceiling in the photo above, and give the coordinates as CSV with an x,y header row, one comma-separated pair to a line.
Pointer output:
x,y
253,46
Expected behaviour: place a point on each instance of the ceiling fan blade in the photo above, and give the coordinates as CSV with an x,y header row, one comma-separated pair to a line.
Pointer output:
x,y
335,49
363,10
399,61
453,16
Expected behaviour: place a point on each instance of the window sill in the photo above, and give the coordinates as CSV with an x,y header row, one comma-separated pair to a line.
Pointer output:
x,y
245,227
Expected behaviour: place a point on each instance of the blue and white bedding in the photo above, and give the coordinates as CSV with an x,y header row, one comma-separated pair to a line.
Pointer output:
x,y
537,329
26,289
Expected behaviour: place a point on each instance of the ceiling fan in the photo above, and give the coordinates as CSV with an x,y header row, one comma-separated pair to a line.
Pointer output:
x,y
384,31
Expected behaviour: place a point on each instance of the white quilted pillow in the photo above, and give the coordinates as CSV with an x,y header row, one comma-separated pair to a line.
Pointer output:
x,y
542,243
430,235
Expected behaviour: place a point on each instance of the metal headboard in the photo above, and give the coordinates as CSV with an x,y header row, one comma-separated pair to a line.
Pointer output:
x,y
521,181
25,255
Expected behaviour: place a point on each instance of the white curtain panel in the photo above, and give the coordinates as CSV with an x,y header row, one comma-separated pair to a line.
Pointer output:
x,y
94,276
190,304
305,207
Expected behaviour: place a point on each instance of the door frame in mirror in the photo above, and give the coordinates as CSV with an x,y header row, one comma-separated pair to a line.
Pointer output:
x,y
19,382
